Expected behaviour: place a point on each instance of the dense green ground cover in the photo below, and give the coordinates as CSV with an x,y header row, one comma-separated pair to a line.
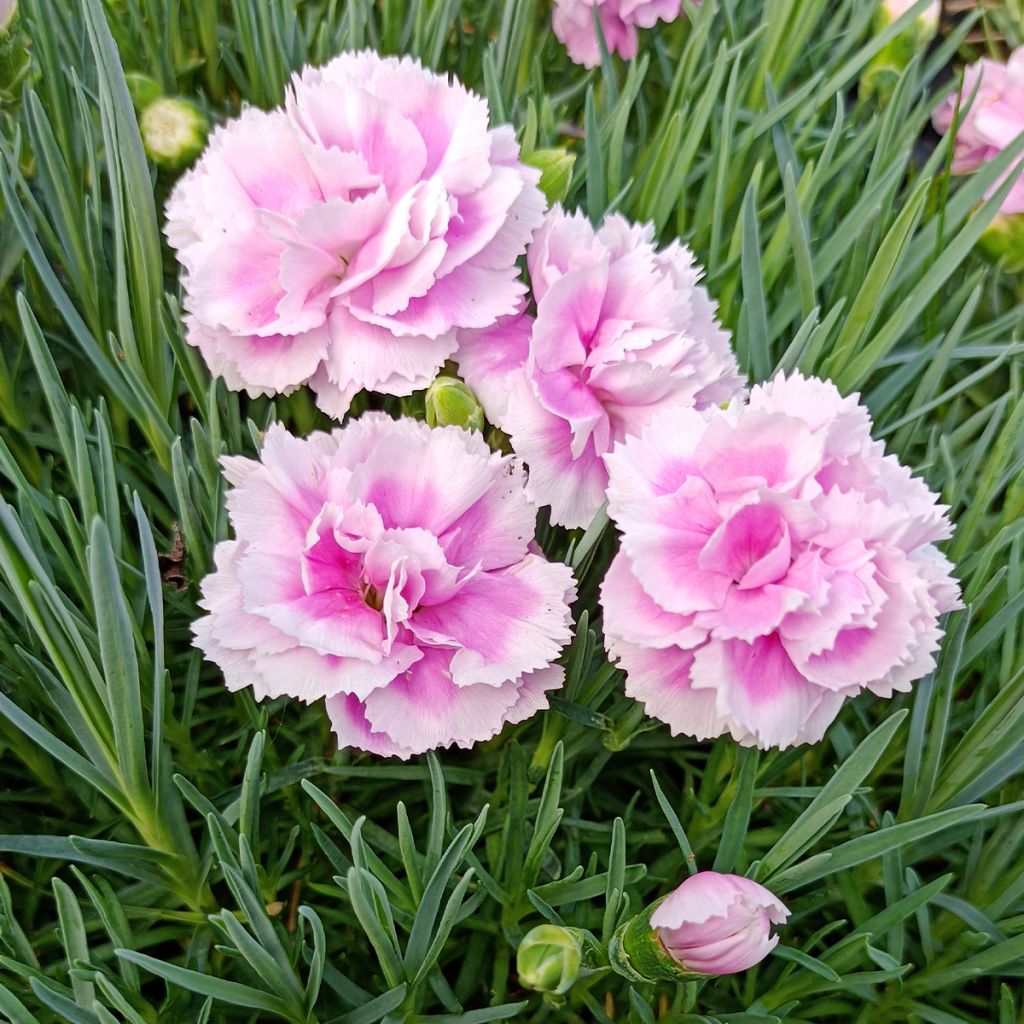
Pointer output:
x,y
165,841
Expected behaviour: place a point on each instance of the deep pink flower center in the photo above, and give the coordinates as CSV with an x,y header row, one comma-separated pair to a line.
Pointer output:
x,y
752,547
351,556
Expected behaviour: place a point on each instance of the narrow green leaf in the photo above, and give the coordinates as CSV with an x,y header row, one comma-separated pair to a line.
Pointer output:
x,y
230,992
120,663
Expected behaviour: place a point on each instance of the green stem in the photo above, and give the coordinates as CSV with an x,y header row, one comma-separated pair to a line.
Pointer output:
x,y
553,731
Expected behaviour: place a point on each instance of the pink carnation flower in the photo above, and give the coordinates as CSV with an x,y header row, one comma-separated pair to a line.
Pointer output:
x,y
573,23
774,561
993,121
622,331
388,568
931,15
343,239
714,924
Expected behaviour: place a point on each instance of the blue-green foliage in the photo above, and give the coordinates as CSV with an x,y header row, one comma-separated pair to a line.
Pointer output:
x,y
173,852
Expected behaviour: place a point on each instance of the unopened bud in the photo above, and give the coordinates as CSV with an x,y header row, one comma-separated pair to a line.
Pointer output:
x,y
143,90
173,131
711,924
883,71
555,166
450,402
1003,241
14,53
550,958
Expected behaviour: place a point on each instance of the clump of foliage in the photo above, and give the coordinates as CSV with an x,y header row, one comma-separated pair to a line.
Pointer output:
x,y
175,852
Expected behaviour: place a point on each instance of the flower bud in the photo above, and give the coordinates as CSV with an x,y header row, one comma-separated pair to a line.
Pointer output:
x,y
550,958
555,166
142,89
880,76
173,131
1003,241
450,402
711,924
14,51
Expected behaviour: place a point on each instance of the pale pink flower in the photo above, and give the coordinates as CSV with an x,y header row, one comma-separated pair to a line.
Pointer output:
x,y
621,331
992,121
387,567
774,561
573,23
931,15
718,924
343,239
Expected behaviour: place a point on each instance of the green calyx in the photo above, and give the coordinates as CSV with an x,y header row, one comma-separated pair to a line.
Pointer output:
x,y
450,402
636,952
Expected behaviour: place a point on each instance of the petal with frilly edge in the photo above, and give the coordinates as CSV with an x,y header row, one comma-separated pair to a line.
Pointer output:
x,y
423,708
532,696
709,894
664,538
362,356
657,461
352,729
632,615
758,689
492,362
261,365
502,623
660,680
416,476
573,487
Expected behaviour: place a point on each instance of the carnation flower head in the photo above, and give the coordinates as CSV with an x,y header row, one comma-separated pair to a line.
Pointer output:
x,y
341,240
774,561
573,24
389,568
621,331
992,121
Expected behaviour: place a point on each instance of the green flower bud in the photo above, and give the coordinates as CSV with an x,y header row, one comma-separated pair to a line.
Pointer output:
x,y
555,166
143,90
550,958
173,132
14,59
451,402
1003,241
883,71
